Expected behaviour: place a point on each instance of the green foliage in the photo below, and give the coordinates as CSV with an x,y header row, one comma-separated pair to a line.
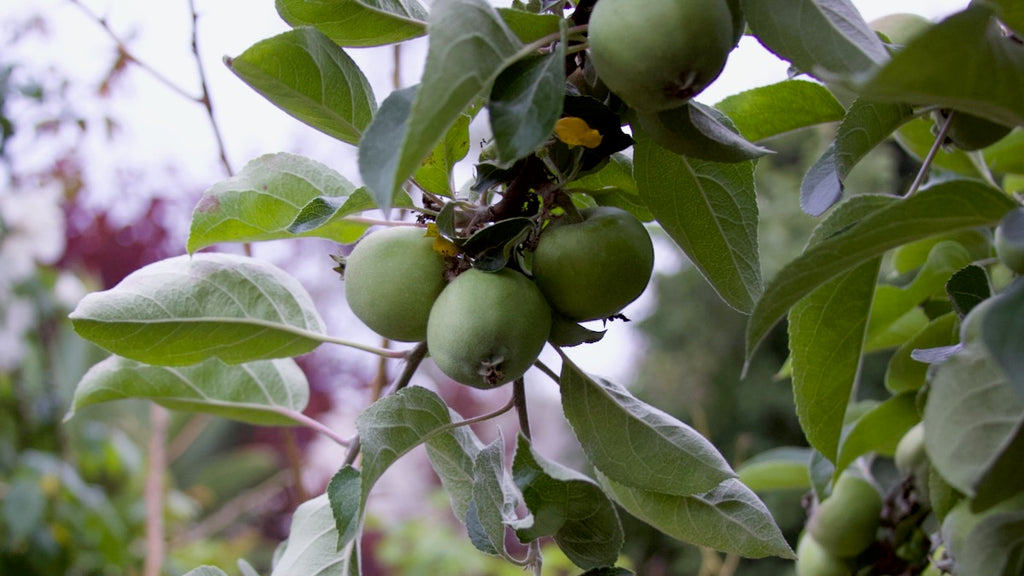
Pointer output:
x,y
872,300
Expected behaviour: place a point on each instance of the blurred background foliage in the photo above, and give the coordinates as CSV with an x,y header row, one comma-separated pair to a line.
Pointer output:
x,y
72,492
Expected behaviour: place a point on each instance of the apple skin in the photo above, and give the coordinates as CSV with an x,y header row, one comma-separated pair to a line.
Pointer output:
x,y
846,522
814,560
1009,240
392,278
592,269
488,328
968,132
658,54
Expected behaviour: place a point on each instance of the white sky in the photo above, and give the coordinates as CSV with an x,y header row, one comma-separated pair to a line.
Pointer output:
x,y
163,129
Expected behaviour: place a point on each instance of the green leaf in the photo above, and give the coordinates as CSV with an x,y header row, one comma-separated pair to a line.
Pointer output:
x,y
568,506
912,256
895,316
698,131
271,195
636,444
1011,13
826,332
613,185
326,216
710,210
358,22
1003,334
879,430
967,288
565,333
526,100
777,469
824,38
312,544
943,208
265,393
23,509
186,309
343,493
394,425
491,247
729,518
494,500
904,373
469,45
528,26
246,569
308,76
1007,155
780,108
995,545
453,457
972,423
964,62
826,335
866,125
435,174
378,159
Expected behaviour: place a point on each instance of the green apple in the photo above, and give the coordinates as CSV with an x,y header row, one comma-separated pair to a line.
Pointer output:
x,y
392,278
846,522
969,132
1009,240
592,269
658,54
814,560
488,328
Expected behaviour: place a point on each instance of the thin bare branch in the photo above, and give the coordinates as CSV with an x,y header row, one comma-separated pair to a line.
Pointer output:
x,y
130,56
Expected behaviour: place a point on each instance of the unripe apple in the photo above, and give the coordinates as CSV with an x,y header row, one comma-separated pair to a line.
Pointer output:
x,y
969,132
901,28
910,455
1009,240
592,269
814,560
846,522
488,328
392,278
658,54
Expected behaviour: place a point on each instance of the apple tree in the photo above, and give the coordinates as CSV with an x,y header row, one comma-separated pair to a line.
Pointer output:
x,y
595,137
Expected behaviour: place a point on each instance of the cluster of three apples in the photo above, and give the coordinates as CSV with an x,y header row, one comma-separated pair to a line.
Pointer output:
x,y
484,329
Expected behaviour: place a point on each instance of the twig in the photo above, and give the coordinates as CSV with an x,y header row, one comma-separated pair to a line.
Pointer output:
x,y
154,490
188,434
294,455
548,371
205,99
413,358
122,48
383,352
926,164
227,514
311,423
519,398
380,379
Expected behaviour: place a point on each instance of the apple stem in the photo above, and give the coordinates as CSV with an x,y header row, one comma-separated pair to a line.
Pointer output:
x,y
926,164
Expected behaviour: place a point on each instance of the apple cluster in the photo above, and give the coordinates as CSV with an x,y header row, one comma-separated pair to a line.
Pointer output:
x,y
484,328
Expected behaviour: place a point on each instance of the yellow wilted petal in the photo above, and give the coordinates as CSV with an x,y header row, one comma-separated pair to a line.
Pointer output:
x,y
445,246
576,132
